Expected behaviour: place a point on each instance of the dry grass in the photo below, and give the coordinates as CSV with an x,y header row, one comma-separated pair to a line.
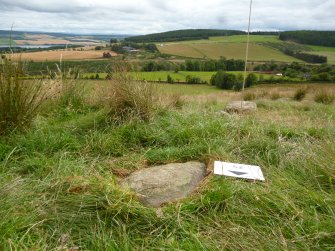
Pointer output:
x,y
325,97
300,94
19,99
60,54
128,99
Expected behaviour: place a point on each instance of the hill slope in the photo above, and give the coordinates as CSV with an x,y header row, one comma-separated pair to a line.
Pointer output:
x,y
182,35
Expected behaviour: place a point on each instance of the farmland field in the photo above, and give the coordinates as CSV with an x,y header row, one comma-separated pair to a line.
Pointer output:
x,y
243,39
5,41
229,50
60,54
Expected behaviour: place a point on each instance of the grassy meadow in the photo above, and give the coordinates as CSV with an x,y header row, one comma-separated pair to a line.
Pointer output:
x,y
261,48
229,47
59,178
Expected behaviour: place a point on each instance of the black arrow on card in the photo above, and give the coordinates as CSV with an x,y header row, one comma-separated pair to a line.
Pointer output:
x,y
238,173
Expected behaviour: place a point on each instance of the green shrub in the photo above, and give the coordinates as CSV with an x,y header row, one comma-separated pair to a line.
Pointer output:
x,y
227,81
250,80
324,98
193,80
300,94
169,79
19,98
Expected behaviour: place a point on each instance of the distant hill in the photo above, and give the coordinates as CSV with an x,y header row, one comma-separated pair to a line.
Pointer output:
x,y
183,35
321,38
24,35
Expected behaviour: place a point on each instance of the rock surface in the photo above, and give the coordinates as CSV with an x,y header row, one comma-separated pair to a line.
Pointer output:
x,y
160,184
241,106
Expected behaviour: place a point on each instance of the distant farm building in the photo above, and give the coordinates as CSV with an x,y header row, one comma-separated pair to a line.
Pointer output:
x,y
106,55
129,49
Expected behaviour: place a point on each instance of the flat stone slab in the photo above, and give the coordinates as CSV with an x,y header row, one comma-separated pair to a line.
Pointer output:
x,y
160,184
241,106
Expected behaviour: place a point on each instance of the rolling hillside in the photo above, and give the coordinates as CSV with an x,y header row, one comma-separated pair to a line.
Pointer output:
x,y
262,48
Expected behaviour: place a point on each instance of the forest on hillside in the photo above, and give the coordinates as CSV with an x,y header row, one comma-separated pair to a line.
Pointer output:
x,y
322,38
182,35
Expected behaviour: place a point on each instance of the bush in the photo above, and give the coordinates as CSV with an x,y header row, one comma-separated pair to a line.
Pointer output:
x,y
193,80
324,98
300,94
19,99
169,79
322,77
128,98
250,80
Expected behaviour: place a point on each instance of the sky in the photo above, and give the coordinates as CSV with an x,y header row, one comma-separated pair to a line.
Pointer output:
x,y
150,16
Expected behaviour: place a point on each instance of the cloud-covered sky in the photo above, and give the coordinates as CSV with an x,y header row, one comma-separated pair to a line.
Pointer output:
x,y
149,16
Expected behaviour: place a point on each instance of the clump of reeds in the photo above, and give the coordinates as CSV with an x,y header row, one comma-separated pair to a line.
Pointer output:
x,y
128,98
19,98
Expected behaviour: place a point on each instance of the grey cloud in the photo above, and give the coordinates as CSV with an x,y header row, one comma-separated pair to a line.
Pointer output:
x,y
147,16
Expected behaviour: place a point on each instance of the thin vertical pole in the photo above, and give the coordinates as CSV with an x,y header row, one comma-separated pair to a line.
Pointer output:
x,y
247,50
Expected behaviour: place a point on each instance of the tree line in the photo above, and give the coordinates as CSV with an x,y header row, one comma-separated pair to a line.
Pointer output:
x,y
196,65
182,35
322,38
309,58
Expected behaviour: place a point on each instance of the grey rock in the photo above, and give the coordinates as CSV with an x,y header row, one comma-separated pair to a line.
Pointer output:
x,y
160,184
241,106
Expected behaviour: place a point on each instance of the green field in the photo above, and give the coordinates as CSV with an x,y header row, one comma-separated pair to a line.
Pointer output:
x,y
215,50
178,77
5,41
243,39
235,46
322,48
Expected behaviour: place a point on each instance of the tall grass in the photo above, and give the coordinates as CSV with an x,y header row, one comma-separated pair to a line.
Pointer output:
x,y
300,94
127,98
19,99
68,88
324,97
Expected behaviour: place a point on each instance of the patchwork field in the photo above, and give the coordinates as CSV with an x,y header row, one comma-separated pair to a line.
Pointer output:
x,y
60,54
215,50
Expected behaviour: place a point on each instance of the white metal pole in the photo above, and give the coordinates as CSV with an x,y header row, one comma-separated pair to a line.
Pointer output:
x,y
247,49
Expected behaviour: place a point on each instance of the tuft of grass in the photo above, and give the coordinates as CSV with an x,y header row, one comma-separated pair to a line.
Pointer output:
x,y
19,99
300,94
127,98
274,96
324,98
176,101
249,96
68,88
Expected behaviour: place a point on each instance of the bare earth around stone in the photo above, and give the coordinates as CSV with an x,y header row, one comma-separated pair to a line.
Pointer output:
x,y
160,184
